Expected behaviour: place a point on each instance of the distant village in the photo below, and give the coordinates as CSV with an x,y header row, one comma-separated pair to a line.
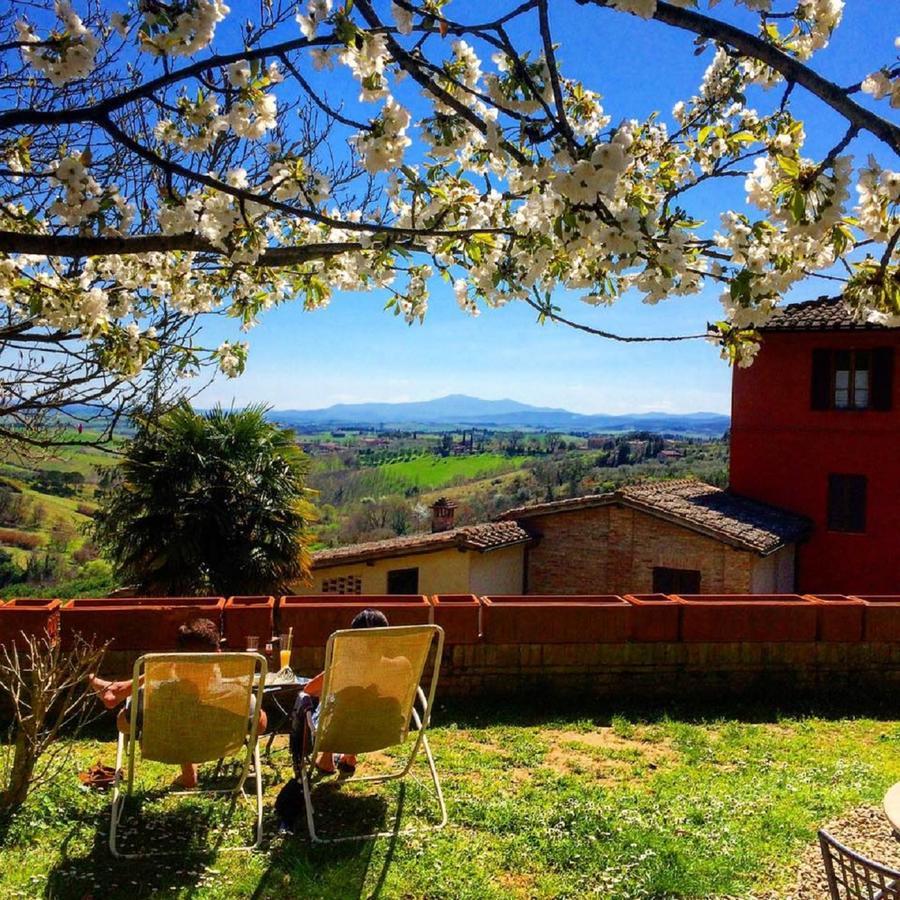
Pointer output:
x,y
470,442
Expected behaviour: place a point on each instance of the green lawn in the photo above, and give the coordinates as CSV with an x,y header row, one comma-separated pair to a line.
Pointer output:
x,y
577,803
429,473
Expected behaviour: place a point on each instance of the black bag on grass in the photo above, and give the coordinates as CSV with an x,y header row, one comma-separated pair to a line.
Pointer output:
x,y
290,806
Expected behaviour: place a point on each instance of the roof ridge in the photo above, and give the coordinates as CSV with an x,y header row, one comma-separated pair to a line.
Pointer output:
x,y
823,313
694,504
475,536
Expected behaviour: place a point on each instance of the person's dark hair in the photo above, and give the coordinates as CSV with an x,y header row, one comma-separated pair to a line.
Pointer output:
x,y
369,618
199,635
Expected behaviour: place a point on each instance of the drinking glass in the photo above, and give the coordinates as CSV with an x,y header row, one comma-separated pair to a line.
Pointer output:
x,y
285,648
252,643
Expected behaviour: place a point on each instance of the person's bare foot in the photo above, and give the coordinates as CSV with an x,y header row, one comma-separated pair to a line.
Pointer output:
x,y
325,763
188,777
98,685
106,691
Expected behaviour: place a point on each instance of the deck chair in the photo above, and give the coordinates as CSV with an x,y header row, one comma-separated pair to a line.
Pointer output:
x,y
369,697
192,707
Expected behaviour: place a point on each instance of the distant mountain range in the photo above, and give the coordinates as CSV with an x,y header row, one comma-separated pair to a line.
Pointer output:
x,y
461,410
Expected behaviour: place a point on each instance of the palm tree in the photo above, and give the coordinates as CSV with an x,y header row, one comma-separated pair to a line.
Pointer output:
x,y
213,501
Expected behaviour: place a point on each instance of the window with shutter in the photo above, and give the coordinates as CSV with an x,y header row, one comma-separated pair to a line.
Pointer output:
x,y
882,378
821,379
852,379
847,503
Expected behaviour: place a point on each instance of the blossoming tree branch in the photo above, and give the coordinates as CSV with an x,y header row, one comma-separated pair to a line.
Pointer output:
x,y
165,160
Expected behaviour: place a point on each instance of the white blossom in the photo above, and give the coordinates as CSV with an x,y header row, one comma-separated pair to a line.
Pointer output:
x,y
316,12
69,56
192,30
403,18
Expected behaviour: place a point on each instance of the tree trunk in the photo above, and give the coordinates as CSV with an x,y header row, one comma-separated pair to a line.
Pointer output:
x,y
20,774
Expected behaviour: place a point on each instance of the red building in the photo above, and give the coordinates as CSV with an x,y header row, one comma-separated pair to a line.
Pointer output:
x,y
815,430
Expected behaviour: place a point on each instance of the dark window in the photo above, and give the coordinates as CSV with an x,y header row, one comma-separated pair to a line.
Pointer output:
x,y
675,581
403,581
847,503
852,379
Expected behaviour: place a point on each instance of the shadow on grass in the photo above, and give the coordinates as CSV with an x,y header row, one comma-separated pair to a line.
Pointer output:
x,y
185,847
299,868
545,707
100,874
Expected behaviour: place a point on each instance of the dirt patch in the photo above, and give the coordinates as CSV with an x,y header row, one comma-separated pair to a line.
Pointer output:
x,y
603,753
865,830
518,884
518,775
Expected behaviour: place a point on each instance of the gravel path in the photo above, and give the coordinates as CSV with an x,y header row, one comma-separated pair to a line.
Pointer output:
x,y
865,830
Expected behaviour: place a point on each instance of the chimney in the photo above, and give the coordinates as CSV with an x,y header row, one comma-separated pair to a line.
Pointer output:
x,y
442,515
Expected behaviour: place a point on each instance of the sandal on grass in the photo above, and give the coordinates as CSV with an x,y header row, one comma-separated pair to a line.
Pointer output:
x,y
98,777
344,767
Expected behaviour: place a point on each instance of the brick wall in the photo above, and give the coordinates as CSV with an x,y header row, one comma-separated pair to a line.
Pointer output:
x,y
613,550
641,671
716,645
810,645
662,671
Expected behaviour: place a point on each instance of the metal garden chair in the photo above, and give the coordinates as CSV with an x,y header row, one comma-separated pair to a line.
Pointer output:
x,y
193,707
369,696
853,877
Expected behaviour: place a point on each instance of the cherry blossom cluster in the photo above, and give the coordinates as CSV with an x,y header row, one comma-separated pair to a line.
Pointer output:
x,y
382,146
885,83
181,28
521,181
69,56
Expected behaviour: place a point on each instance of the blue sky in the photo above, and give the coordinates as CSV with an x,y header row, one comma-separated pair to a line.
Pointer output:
x,y
353,351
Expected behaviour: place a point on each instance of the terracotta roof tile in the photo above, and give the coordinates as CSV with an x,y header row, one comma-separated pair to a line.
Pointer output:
x,y
823,314
481,538
490,535
693,504
736,520
554,506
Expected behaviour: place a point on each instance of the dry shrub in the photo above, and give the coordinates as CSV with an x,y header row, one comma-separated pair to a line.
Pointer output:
x,y
85,553
47,690
12,537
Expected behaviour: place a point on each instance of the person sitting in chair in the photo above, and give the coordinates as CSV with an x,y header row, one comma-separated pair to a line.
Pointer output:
x,y
197,636
310,699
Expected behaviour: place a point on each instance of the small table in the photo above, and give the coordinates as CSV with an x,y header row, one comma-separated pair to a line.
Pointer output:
x,y
279,697
892,807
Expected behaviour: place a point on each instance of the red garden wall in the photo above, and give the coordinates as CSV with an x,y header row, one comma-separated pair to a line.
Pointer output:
x,y
149,624
316,616
564,619
28,616
743,618
460,617
644,645
245,616
840,617
655,617
882,617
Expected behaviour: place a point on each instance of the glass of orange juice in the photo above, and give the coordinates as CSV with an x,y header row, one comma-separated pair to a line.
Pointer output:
x,y
285,650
